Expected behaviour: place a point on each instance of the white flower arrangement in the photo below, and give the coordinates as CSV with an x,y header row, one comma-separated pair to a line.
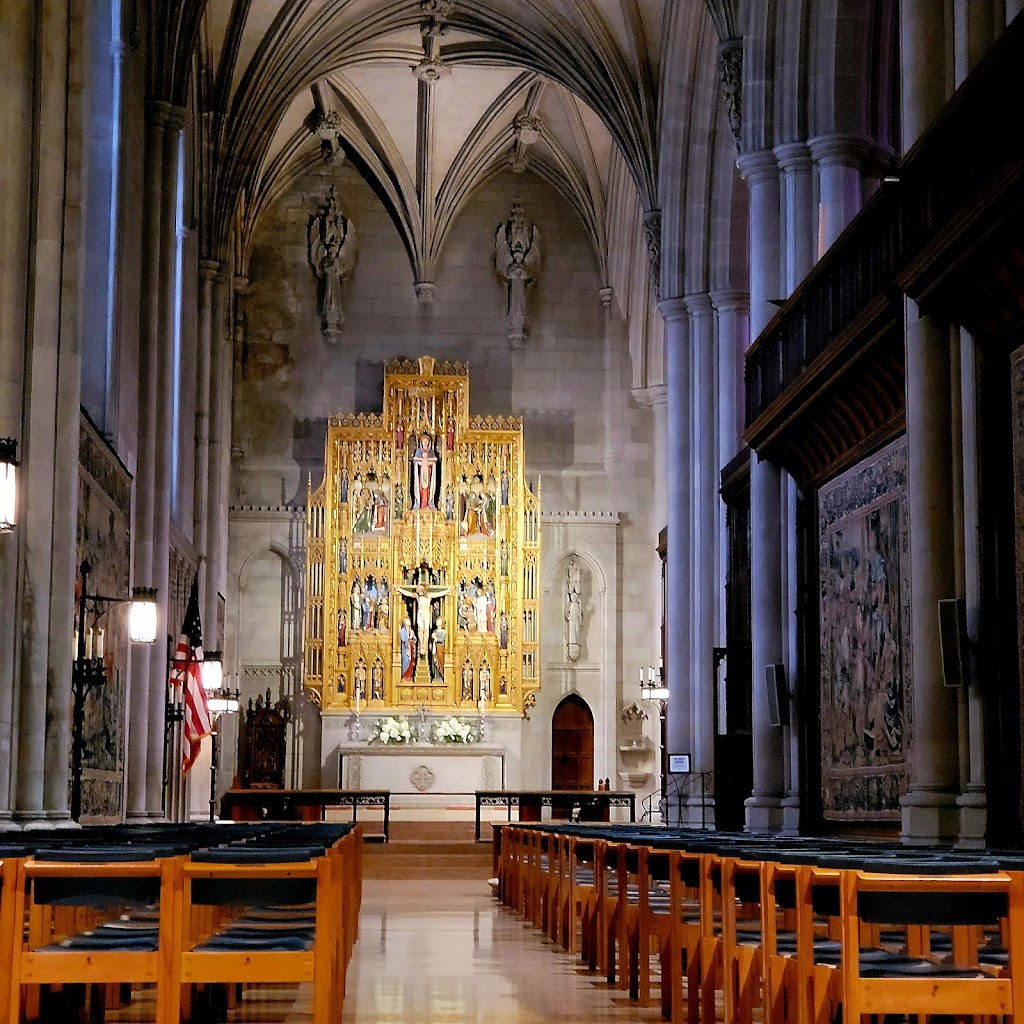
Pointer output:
x,y
454,730
391,730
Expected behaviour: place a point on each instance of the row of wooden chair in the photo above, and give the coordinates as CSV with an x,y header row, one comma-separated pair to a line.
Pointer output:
x,y
785,932
196,913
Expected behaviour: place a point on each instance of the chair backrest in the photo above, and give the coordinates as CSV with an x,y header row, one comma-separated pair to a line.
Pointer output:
x,y
261,744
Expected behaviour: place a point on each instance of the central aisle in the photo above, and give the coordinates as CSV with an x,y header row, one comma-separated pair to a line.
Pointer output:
x,y
445,952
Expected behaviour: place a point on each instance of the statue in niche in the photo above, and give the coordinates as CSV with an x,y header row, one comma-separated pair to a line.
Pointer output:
x,y
437,644
517,260
407,641
332,255
377,680
467,680
573,610
425,475
359,678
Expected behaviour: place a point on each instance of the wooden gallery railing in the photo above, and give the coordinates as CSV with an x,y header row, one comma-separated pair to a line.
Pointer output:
x,y
943,229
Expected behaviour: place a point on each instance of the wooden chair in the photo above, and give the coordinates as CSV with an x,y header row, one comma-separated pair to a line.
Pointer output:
x,y
915,984
292,932
80,931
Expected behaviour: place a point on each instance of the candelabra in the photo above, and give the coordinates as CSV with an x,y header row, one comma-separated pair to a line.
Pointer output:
x,y
653,688
220,701
88,670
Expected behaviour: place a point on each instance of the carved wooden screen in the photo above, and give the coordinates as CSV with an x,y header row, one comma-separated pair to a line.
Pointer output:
x,y
423,554
262,745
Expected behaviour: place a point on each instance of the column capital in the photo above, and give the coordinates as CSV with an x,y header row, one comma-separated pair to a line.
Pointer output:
x,y
240,283
157,112
606,294
698,304
730,300
841,150
793,156
759,165
673,309
878,161
651,397
209,269
175,118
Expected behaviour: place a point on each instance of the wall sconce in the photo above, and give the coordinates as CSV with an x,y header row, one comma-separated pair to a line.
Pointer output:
x,y
88,669
8,484
219,701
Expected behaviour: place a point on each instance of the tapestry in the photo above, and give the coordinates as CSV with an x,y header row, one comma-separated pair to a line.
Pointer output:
x,y
866,688
104,539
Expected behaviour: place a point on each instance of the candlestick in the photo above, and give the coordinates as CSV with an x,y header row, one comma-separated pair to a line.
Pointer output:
x,y
99,643
88,642
357,698
74,648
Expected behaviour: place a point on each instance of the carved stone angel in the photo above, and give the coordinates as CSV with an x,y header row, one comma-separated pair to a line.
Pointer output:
x,y
517,260
332,255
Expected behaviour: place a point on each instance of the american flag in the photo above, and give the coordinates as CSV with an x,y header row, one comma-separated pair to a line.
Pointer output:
x,y
187,672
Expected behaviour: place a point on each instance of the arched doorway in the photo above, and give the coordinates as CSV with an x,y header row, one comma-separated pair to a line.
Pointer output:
x,y
572,745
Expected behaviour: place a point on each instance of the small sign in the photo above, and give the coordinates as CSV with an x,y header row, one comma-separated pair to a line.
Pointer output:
x,y
679,764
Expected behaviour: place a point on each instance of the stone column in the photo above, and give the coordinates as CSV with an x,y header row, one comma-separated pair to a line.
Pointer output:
x,y
733,328
929,808
16,161
733,337
163,466
208,270
50,402
764,808
839,159
798,215
797,198
1013,8
149,330
677,570
972,801
220,368
705,596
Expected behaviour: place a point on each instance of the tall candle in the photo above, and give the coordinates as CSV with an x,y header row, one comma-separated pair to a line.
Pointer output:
x,y
88,643
99,642
357,699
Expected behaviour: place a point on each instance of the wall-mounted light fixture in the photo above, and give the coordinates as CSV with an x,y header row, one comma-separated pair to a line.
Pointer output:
x,y
8,484
89,670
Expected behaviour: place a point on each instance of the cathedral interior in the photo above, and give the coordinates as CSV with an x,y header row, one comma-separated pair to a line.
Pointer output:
x,y
627,393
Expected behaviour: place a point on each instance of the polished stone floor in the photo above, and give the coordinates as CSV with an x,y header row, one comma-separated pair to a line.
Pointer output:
x,y
442,951
447,953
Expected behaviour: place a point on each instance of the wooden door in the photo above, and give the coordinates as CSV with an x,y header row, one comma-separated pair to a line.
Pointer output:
x,y
572,745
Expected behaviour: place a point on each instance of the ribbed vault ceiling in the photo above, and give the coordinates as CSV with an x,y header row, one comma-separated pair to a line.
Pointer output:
x,y
565,88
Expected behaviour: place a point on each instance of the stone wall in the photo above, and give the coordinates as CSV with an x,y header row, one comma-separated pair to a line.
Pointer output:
x,y
585,437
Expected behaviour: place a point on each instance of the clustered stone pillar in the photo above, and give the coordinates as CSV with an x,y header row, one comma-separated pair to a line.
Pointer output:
x,y
145,479
839,159
677,570
163,466
764,808
704,501
929,808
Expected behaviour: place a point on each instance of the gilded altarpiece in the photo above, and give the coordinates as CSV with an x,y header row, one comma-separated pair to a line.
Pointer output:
x,y
423,555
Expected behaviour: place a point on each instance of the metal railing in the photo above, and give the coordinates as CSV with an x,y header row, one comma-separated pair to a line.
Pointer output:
x,y
679,789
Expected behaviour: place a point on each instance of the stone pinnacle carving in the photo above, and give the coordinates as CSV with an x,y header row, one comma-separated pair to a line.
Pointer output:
x,y
332,255
326,125
652,236
526,130
517,260
730,64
